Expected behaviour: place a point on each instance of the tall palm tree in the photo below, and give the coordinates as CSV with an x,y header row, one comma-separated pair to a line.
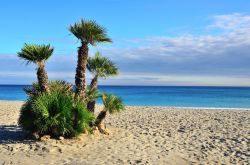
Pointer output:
x,y
102,67
89,33
111,104
37,54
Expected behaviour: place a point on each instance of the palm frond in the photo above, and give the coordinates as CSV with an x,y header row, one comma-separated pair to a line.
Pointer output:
x,y
89,32
92,94
55,86
33,91
101,66
84,118
61,86
112,103
32,53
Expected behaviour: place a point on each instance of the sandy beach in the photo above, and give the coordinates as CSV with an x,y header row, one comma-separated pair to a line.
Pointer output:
x,y
139,135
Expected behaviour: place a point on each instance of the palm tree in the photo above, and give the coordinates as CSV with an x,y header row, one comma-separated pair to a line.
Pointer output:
x,y
38,54
102,67
89,33
111,104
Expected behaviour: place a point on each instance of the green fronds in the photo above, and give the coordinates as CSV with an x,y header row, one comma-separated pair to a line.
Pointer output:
x,y
56,114
53,114
32,53
54,86
84,118
112,103
89,32
33,91
101,66
61,86
27,117
92,94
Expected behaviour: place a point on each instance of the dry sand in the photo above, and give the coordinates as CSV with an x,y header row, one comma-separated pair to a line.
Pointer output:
x,y
139,135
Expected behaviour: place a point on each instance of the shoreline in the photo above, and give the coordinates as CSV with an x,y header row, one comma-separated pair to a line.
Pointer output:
x,y
169,107
191,108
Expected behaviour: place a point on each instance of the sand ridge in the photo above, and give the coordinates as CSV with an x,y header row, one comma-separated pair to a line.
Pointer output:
x,y
139,135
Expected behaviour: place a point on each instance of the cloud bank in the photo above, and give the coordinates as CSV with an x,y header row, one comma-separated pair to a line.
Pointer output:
x,y
216,59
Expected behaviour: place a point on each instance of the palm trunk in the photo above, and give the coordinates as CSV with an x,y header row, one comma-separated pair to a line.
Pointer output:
x,y
94,82
101,116
91,104
42,77
98,122
80,80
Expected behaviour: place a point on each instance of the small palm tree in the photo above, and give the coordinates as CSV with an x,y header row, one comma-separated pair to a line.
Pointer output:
x,y
102,67
111,104
89,33
37,54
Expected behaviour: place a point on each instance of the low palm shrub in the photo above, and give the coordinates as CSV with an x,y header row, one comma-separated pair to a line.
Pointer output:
x,y
56,113
112,104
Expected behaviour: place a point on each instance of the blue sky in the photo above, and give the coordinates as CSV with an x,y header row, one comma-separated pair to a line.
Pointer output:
x,y
156,42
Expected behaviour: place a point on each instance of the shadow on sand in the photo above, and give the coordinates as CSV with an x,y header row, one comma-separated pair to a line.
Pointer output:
x,y
10,134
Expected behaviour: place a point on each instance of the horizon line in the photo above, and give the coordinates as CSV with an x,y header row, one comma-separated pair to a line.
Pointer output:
x,y
148,85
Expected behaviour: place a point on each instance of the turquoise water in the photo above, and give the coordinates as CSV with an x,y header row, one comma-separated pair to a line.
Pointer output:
x,y
221,97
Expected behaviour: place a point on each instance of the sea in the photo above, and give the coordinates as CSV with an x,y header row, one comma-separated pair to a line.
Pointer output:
x,y
172,96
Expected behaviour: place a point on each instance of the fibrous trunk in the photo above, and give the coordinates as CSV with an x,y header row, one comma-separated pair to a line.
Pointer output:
x,y
98,122
42,77
101,116
93,86
94,82
80,80
91,106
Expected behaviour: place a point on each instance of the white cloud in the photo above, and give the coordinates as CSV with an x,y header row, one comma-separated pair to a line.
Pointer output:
x,y
233,21
226,54
174,80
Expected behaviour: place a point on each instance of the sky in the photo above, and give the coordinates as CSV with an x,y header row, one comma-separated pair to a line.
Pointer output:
x,y
155,42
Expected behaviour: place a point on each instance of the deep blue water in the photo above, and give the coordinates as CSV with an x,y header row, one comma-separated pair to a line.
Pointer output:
x,y
226,97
